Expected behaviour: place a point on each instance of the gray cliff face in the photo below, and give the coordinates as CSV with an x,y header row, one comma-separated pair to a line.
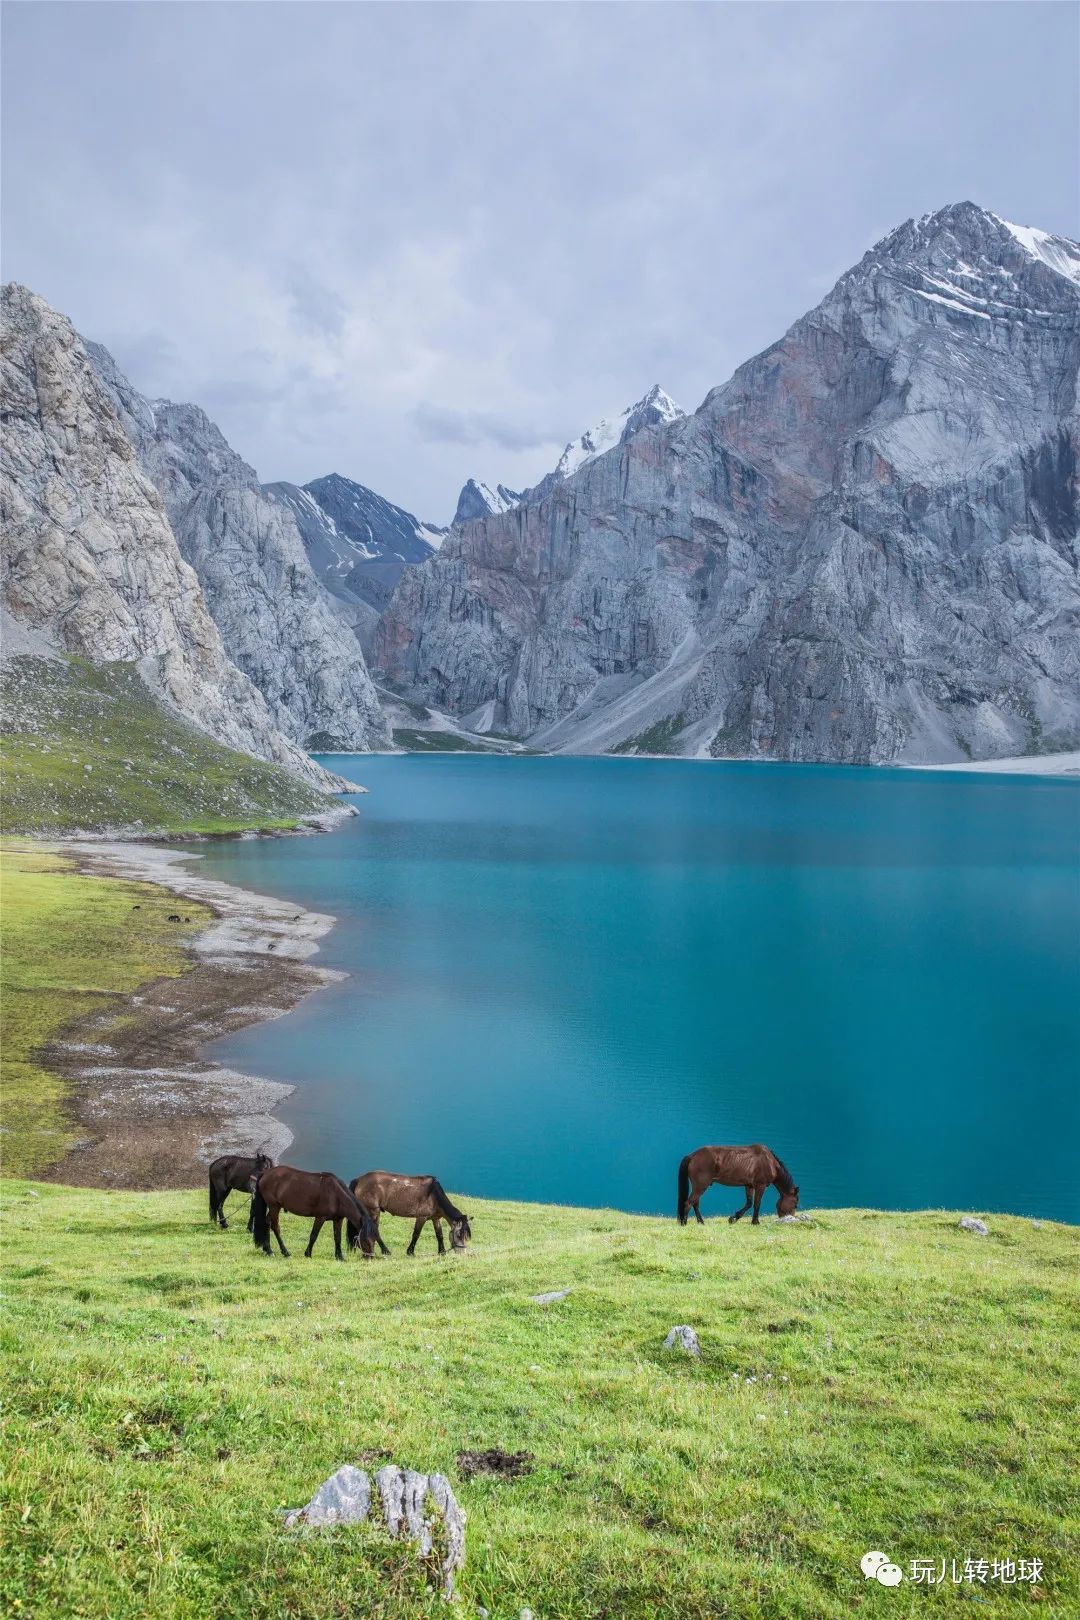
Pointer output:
x,y
276,620
863,547
89,558
333,559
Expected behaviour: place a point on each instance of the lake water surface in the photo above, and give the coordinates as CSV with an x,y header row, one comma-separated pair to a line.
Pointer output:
x,y
566,973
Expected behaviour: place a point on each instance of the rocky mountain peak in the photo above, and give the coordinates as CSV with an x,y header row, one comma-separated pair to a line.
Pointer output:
x,y
479,500
654,409
860,547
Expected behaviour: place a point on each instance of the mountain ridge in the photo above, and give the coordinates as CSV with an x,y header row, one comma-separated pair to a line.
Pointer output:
x,y
861,547
89,557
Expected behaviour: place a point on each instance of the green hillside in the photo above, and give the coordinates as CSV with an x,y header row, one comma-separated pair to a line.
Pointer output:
x,y
85,746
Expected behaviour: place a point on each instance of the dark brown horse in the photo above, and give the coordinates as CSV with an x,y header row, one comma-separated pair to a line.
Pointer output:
x,y
233,1170
307,1192
419,1198
752,1168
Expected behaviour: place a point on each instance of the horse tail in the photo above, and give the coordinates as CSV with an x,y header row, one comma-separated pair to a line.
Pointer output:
x,y
260,1224
213,1200
684,1189
450,1210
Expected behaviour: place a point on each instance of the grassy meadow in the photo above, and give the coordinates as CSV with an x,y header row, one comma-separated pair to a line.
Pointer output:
x,y
69,943
868,1380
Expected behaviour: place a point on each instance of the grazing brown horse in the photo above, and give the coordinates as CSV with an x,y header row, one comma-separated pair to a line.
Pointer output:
x,y
420,1198
233,1170
307,1192
752,1168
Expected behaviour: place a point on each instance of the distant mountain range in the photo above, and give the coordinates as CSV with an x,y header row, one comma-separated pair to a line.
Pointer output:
x,y
863,547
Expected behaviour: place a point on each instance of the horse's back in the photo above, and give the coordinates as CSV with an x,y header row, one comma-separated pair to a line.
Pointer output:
x,y
736,1165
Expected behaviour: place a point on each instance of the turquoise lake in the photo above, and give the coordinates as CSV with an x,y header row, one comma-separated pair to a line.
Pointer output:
x,y
566,973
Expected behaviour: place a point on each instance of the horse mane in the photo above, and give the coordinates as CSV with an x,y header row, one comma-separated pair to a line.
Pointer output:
x,y
784,1179
450,1210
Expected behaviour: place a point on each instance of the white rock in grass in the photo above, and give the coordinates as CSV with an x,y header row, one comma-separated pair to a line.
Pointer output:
x,y
420,1508
683,1338
552,1298
344,1498
968,1223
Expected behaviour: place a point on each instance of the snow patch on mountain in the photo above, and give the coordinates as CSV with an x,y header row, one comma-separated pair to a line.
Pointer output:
x,y
1056,252
657,407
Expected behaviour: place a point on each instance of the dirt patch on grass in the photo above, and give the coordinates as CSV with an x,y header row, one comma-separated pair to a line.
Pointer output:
x,y
503,1464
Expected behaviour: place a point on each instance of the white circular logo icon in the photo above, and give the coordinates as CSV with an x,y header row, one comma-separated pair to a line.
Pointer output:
x,y
871,1562
890,1574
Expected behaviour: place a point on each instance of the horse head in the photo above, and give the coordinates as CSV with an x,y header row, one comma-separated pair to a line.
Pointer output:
x,y
788,1202
263,1161
460,1232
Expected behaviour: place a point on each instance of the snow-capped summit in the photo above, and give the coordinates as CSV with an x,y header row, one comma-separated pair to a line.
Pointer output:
x,y
479,500
655,408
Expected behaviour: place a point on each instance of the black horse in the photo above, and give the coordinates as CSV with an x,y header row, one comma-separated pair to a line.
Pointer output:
x,y
233,1170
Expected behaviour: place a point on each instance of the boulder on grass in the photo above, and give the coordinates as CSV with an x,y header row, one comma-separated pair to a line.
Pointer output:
x,y
420,1508
685,1339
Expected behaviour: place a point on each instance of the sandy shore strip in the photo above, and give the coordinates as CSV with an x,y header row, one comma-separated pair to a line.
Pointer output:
x,y
1067,764
154,1109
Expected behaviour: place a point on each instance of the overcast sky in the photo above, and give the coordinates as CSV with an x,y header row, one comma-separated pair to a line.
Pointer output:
x,y
411,243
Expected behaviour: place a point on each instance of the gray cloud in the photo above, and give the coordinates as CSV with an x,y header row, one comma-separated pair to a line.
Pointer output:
x,y
316,306
418,243
440,424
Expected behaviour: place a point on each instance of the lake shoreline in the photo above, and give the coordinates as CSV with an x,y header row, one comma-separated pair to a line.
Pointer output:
x,y
154,1109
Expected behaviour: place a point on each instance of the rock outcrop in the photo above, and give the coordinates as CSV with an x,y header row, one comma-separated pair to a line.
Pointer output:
x,y
861,548
275,617
89,558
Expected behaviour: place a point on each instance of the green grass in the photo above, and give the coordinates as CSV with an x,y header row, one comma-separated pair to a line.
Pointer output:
x,y
868,1381
661,738
70,943
437,742
85,746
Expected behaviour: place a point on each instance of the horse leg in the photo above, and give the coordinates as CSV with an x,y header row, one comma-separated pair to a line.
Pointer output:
x,y
378,1237
759,1193
739,1213
315,1230
337,1238
251,1215
418,1227
274,1213
222,1222
437,1224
